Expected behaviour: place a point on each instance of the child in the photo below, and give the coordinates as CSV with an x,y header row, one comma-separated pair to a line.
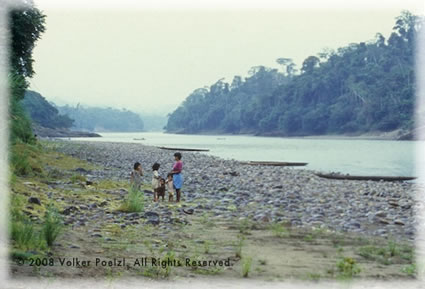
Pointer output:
x,y
177,174
155,181
161,188
170,187
136,176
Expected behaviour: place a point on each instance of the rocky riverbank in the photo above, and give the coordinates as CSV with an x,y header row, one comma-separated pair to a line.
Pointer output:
x,y
57,132
230,190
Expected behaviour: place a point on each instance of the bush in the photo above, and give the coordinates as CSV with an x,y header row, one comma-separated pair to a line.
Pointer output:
x,y
347,267
134,202
24,235
246,266
52,226
24,159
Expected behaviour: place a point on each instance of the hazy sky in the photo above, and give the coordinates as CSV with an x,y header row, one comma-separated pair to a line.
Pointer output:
x,y
150,60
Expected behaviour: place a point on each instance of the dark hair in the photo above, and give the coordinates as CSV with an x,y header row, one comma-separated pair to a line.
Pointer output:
x,y
178,155
169,174
155,166
136,165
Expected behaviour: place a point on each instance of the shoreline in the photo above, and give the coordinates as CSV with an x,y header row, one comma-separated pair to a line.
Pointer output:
x,y
391,136
232,190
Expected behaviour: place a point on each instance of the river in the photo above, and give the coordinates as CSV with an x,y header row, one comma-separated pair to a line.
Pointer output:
x,y
352,156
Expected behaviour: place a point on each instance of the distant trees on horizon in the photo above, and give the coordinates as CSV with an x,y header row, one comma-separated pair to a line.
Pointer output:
x,y
366,86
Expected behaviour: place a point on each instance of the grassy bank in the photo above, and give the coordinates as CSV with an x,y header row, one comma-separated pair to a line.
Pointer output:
x,y
83,213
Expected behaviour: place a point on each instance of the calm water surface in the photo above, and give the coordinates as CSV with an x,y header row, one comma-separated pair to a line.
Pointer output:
x,y
363,157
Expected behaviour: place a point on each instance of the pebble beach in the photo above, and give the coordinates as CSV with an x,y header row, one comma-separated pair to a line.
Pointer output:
x,y
231,190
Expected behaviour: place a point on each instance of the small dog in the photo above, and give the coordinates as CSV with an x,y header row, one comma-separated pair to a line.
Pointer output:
x,y
161,189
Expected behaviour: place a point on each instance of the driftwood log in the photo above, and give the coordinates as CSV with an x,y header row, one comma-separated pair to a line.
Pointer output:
x,y
184,149
276,164
364,178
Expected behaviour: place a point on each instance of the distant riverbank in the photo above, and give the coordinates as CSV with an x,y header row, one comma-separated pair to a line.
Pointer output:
x,y
398,134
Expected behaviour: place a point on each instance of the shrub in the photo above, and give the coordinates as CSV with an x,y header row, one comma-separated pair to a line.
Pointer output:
x,y
239,245
52,226
347,267
246,266
279,230
25,236
134,202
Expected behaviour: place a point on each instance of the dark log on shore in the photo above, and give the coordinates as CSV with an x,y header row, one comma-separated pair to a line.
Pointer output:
x,y
184,149
365,178
276,164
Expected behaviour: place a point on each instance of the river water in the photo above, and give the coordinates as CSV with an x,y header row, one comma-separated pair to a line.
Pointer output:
x,y
353,156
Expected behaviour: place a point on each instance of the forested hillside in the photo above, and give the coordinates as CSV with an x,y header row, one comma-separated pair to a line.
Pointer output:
x,y
367,86
44,113
103,119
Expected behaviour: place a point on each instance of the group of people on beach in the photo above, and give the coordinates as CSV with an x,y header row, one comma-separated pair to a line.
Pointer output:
x,y
172,184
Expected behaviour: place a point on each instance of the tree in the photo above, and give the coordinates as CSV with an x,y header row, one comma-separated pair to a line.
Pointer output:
x,y
309,64
360,87
26,27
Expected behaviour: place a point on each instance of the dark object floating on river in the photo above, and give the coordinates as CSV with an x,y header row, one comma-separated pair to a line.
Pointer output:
x,y
183,149
364,178
139,138
276,164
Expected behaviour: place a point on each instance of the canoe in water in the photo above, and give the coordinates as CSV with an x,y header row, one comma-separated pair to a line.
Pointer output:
x,y
276,164
184,149
365,178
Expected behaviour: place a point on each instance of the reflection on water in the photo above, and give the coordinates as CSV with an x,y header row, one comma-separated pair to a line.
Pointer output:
x,y
363,157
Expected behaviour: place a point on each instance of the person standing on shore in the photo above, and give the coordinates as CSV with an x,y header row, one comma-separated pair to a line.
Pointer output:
x,y
136,176
177,175
170,187
155,181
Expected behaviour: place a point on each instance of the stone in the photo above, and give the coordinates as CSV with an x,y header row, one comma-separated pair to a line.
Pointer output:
x,y
34,200
384,221
152,218
71,209
189,211
399,222
381,214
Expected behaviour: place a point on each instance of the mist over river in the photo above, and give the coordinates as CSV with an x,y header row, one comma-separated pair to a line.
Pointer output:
x,y
352,156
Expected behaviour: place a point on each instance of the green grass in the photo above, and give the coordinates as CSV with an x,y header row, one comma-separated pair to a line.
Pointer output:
x,y
246,266
347,268
410,270
52,226
279,230
209,271
24,159
134,202
245,225
76,178
161,272
23,231
238,246
314,276
207,245
25,236
392,253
